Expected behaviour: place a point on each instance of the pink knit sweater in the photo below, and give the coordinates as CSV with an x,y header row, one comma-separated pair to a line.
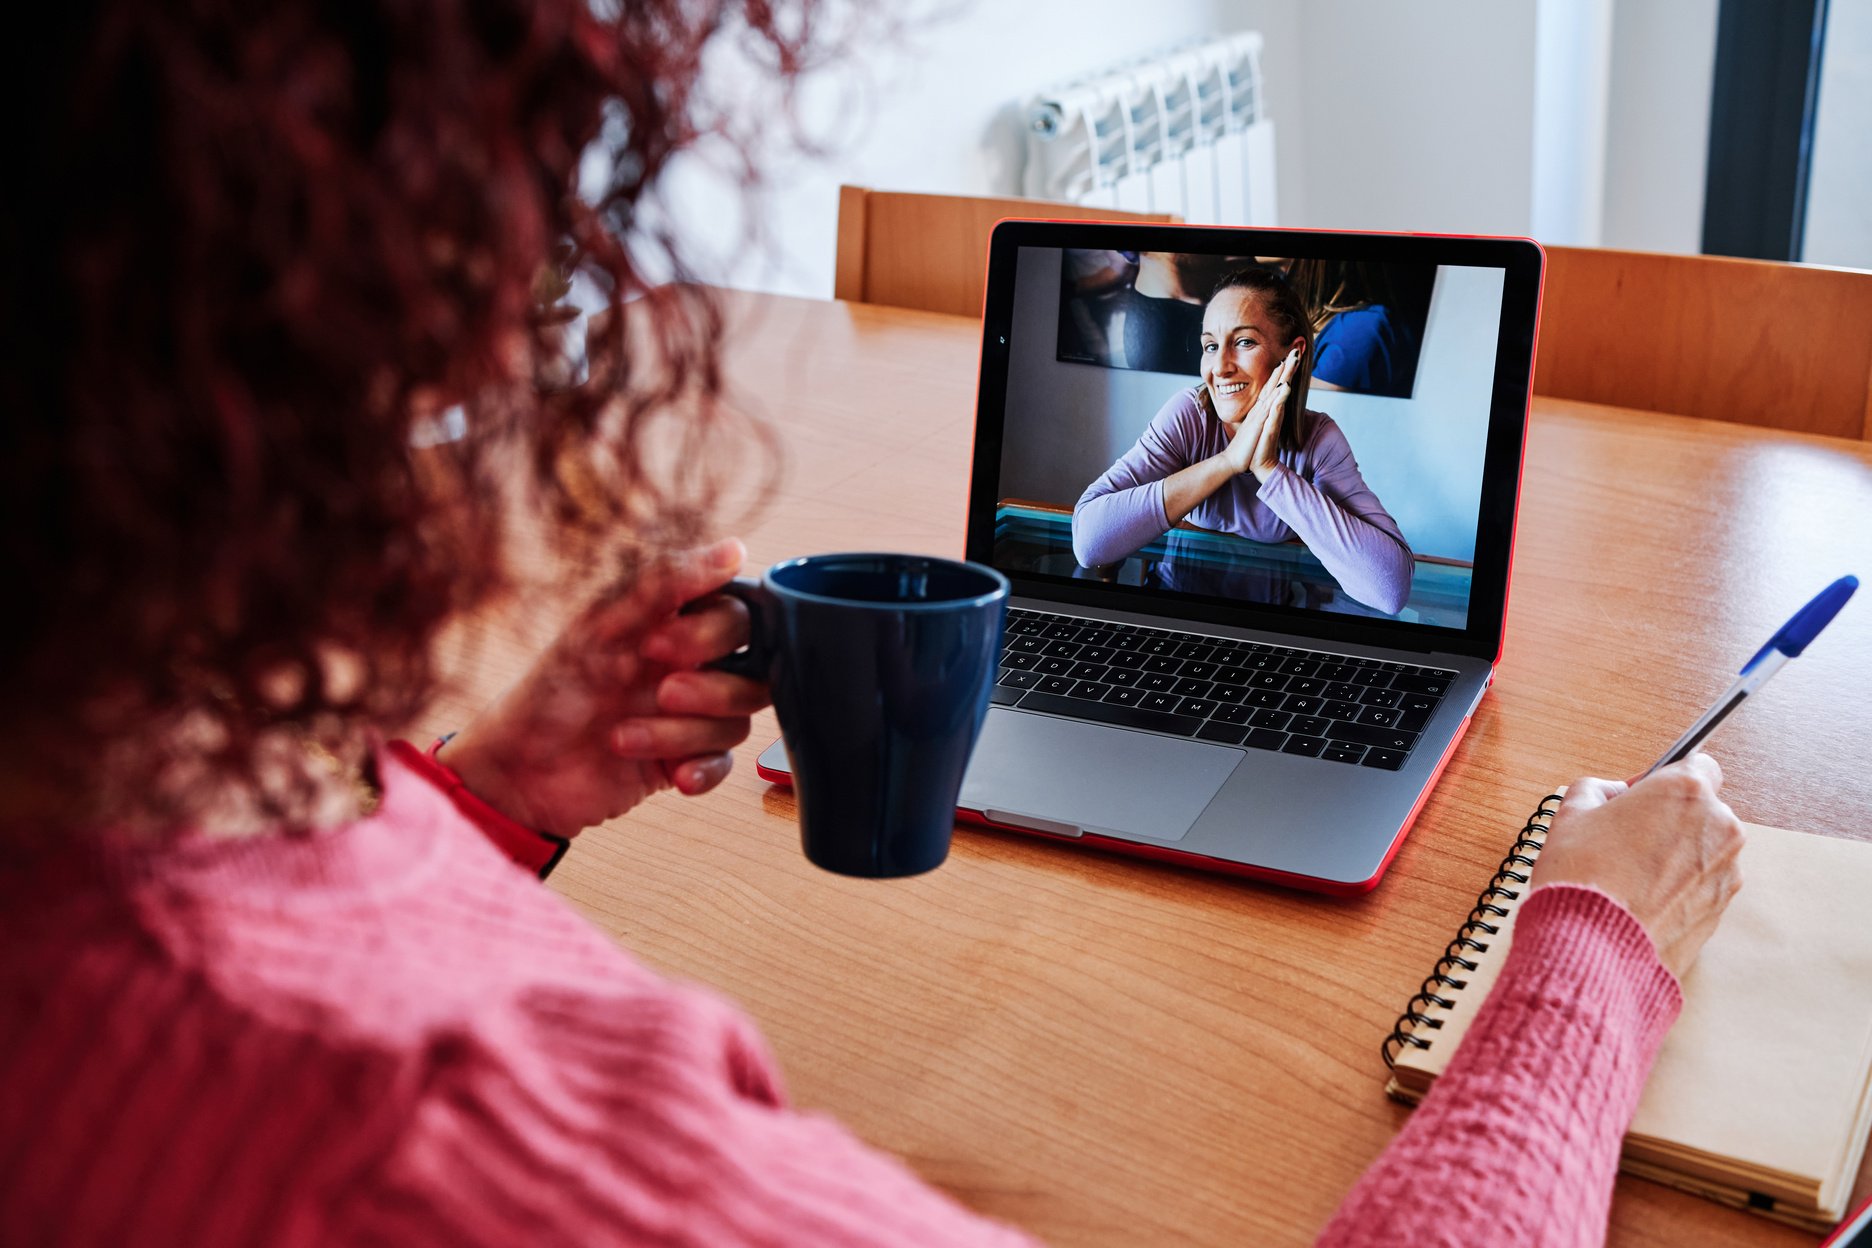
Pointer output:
x,y
391,1034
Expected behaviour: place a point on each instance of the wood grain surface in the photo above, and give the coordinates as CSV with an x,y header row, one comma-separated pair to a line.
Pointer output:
x,y
1788,346
1108,1052
931,251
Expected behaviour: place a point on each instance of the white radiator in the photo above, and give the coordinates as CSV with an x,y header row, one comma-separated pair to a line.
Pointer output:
x,y
1186,132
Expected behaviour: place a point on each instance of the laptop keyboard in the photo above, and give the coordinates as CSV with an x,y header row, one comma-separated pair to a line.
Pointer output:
x,y
1366,712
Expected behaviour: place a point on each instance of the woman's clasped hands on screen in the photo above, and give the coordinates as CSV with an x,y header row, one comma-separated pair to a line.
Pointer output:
x,y
1664,847
1254,417
620,707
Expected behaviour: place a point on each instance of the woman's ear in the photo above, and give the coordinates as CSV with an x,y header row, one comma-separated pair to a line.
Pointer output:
x,y
1299,344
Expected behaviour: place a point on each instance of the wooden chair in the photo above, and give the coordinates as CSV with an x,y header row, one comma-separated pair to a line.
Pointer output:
x,y
930,251
1758,342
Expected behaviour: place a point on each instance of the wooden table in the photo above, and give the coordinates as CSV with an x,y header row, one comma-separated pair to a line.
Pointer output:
x,y
1109,1052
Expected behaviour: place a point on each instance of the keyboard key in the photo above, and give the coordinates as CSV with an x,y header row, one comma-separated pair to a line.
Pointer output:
x,y
1018,662
1054,667
1339,753
1365,734
1028,645
1130,659
1062,649
1309,746
1372,677
1381,697
1233,714
1264,662
1227,693
1335,671
1061,632
1096,637
1159,702
1202,708
1002,695
1268,680
1302,706
1421,684
1159,645
1156,682
1233,676
1193,650
1125,641
1378,717
1020,680
1308,685
1123,697
1309,725
1272,698
1340,710
1111,713
1024,628
1118,676
1390,760
1095,654
1061,685
1301,667
1088,689
1345,691
1193,688
1227,734
1265,739
1162,663
1197,670
1269,719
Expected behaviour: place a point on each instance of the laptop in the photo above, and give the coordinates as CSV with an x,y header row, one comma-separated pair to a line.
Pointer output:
x,y
1249,662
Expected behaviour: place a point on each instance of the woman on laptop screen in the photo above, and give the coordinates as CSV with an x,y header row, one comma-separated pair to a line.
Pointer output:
x,y
1240,454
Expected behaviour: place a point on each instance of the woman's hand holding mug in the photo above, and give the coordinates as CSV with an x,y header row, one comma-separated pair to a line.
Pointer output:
x,y
624,703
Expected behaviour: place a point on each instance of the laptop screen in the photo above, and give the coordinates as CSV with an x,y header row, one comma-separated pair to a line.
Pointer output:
x,y
1303,433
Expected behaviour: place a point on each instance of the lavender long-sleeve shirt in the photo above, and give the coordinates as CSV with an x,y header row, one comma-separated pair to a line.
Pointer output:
x,y
1316,494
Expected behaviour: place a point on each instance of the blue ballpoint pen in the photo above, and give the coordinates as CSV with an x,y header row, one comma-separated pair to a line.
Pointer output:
x,y
1784,645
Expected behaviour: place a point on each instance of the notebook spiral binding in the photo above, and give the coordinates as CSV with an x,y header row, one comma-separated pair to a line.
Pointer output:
x,y
1510,878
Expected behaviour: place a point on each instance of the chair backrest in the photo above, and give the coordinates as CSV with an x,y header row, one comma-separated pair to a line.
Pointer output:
x,y
930,251
1758,342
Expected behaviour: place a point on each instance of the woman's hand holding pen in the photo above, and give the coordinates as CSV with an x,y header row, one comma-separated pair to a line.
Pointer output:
x,y
1665,848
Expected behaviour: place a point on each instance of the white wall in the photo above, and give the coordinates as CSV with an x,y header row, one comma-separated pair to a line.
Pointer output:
x,y
1440,115
1839,190
942,111
1418,116
1422,456
1572,74
1657,123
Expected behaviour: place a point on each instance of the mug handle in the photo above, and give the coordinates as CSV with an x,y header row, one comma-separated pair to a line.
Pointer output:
x,y
755,658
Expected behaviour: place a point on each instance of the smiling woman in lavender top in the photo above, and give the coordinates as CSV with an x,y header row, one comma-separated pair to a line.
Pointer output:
x,y
1240,454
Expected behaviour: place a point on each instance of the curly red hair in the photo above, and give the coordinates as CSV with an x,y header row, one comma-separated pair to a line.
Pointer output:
x,y
264,249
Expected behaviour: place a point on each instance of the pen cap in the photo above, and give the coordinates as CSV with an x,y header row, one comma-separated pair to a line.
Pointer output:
x,y
1808,621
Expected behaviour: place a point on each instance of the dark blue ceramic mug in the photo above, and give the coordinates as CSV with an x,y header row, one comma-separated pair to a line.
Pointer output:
x,y
880,667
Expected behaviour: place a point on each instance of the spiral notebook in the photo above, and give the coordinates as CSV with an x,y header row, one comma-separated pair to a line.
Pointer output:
x,y
1762,1094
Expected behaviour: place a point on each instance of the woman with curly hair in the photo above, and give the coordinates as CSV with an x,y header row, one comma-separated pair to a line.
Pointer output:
x,y
291,390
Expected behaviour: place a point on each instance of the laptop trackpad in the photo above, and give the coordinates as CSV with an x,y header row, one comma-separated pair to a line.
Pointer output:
x,y
1060,775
